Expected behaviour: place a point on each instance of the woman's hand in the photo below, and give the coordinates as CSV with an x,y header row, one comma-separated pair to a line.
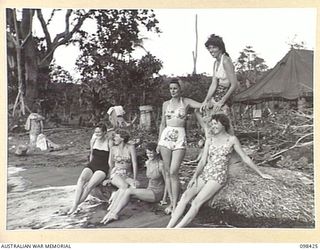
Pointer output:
x,y
134,184
266,176
193,181
106,182
204,105
158,149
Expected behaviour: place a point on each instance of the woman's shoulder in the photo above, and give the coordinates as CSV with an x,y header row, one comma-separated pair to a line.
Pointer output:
x,y
161,163
227,62
165,103
130,146
233,139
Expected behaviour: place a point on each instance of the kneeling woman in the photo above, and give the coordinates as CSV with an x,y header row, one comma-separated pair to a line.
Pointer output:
x,y
97,169
153,193
211,173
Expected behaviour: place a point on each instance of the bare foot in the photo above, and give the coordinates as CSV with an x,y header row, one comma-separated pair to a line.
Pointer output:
x,y
109,218
73,210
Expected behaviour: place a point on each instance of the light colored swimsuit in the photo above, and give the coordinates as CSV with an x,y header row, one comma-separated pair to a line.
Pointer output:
x,y
174,137
123,171
156,181
218,163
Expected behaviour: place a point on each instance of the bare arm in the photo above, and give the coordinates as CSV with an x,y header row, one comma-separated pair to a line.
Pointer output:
x,y
231,75
192,103
134,161
204,157
246,159
163,119
212,88
110,161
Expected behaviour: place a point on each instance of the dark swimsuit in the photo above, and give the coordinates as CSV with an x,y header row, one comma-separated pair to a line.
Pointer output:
x,y
99,161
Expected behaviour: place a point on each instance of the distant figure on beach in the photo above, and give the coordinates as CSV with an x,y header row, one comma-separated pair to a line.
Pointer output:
x,y
34,125
172,138
116,117
212,171
97,169
154,192
224,83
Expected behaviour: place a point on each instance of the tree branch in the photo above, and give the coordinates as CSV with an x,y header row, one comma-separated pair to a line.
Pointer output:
x,y
44,28
12,39
66,35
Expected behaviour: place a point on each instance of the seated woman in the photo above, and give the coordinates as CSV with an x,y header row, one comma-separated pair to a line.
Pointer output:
x,y
97,169
153,193
212,171
123,162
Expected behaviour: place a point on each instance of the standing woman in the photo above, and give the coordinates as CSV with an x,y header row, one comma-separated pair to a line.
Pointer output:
x,y
212,171
224,82
172,138
97,169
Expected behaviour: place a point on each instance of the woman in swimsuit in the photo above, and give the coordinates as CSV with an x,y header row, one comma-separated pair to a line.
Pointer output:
x,y
97,169
224,82
123,163
172,138
153,193
212,171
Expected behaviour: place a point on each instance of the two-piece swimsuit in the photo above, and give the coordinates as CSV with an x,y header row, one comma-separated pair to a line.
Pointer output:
x,y
174,137
123,165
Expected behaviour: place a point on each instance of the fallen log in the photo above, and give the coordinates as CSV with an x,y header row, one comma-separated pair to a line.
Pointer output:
x,y
289,197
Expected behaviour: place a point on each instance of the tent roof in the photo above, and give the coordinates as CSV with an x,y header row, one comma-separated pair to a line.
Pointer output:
x,y
291,78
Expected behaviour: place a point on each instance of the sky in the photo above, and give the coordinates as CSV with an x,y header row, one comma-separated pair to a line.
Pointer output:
x,y
267,30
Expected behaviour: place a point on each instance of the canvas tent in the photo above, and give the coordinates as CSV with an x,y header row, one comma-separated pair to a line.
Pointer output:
x,y
292,77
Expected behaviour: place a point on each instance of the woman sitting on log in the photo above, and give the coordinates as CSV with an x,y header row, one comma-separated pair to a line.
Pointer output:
x,y
97,169
212,170
123,162
153,193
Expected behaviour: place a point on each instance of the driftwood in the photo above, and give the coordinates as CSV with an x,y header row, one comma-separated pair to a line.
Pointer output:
x,y
289,197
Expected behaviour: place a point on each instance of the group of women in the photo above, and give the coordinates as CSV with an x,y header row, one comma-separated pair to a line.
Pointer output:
x,y
212,170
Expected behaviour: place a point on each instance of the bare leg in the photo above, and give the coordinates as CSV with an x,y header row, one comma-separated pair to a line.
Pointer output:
x,y
83,179
116,198
142,194
177,157
166,155
207,191
185,199
94,181
120,183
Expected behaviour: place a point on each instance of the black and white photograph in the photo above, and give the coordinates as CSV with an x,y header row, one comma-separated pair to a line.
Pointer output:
x,y
160,118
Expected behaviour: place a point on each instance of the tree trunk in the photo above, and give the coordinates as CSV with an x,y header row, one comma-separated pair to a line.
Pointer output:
x,y
30,59
195,53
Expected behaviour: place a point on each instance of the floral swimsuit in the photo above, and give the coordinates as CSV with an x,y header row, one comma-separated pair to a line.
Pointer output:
x,y
218,163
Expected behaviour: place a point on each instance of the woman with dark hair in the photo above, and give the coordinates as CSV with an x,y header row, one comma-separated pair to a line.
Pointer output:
x,y
154,191
212,171
224,82
172,138
97,169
